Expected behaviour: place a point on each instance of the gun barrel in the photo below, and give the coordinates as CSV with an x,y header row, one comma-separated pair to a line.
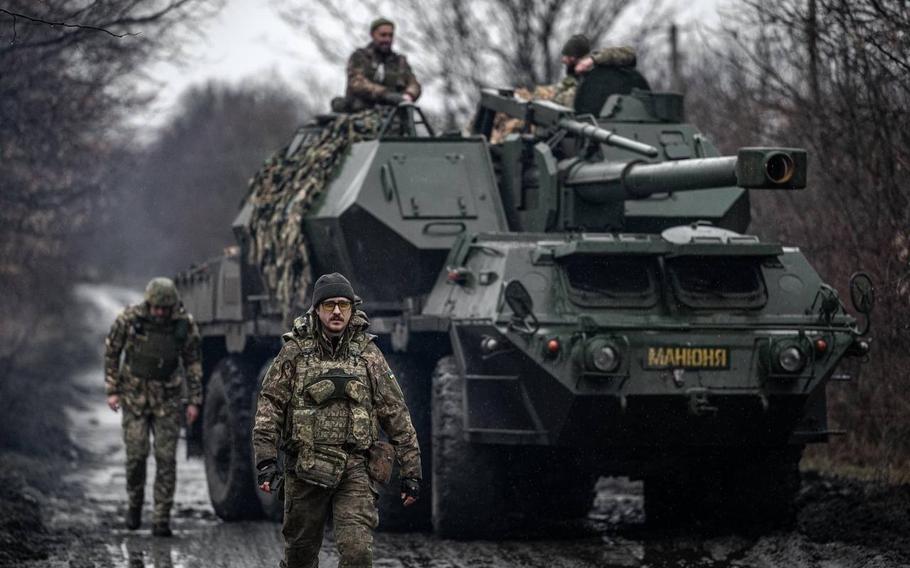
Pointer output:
x,y
605,136
681,175
751,168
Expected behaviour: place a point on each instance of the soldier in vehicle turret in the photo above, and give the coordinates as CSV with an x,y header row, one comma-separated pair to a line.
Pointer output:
x,y
157,338
579,59
377,75
324,399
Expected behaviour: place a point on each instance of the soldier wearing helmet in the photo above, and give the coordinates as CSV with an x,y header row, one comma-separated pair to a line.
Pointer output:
x,y
579,59
147,347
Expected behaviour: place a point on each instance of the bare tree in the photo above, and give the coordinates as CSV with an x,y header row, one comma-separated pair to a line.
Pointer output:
x,y
67,78
187,183
831,76
458,46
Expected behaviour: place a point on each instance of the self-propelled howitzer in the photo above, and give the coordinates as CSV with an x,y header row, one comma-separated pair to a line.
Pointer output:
x,y
562,293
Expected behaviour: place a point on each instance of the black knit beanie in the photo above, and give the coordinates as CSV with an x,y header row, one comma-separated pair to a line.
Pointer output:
x,y
332,286
577,46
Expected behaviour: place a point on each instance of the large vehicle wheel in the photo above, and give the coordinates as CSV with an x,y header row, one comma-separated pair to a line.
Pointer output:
x,y
415,380
484,490
226,438
466,478
271,504
755,491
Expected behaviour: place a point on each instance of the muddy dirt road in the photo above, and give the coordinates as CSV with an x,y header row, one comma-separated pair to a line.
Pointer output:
x,y
841,523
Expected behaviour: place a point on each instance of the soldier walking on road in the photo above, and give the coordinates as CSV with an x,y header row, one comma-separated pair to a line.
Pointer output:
x,y
156,338
323,400
378,75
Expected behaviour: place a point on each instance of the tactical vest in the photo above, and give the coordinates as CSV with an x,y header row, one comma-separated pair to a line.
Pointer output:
x,y
153,348
331,401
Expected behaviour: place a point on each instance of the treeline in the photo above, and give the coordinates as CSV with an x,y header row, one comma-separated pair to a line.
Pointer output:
x,y
830,76
175,203
69,72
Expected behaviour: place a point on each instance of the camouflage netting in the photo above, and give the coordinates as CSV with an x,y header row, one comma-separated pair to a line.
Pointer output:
x,y
281,194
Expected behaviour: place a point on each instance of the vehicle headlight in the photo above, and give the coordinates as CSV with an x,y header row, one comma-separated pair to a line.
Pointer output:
x,y
791,359
604,357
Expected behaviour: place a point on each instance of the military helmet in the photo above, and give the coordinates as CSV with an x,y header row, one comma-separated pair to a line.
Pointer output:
x,y
161,292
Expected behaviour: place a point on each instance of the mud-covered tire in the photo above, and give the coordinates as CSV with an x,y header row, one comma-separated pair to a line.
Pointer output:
x,y
756,491
414,379
486,491
227,425
465,477
271,504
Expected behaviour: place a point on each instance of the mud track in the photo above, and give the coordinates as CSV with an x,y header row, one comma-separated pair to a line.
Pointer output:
x,y
841,523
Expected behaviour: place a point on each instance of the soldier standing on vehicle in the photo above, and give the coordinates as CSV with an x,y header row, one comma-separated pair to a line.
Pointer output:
x,y
378,75
156,337
323,400
579,60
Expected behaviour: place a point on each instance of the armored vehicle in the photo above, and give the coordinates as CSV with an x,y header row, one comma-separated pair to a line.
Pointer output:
x,y
580,298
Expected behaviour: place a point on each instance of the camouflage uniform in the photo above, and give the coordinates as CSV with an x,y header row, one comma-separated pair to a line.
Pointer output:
x,y
372,75
326,435
606,57
150,387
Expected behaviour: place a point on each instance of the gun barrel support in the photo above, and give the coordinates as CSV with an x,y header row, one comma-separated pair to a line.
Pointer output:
x,y
607,137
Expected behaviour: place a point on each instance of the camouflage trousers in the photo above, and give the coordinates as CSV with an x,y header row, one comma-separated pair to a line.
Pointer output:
x,y
166,432
353,507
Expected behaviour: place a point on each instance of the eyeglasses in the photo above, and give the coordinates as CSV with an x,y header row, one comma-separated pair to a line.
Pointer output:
x,y
329,307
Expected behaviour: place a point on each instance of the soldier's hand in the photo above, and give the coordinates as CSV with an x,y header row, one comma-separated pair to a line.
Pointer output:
x,y
192,413
391,98
585,65
113,401
410,490
407,97
268,470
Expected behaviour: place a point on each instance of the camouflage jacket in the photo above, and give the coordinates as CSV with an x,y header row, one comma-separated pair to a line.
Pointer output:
x,y
132,333
606,57
372,74
295,413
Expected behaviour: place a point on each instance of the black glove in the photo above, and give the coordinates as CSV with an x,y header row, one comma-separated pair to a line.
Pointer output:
x,y
391,98
268,471
410,487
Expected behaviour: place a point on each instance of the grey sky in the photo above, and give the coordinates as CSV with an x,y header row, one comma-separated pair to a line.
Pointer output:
x,y
249,42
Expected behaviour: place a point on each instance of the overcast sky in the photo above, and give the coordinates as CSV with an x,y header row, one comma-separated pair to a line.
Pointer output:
x,y
248,41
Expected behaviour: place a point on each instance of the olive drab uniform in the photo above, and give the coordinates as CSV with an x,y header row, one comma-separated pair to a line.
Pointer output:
x,y
324,404
373,74
151,390
606,57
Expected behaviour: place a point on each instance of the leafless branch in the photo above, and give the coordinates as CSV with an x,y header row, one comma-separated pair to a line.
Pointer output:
x,y
16,15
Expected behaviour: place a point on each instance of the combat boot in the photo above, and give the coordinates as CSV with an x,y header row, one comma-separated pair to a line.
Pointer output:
x,y
133,517
162,528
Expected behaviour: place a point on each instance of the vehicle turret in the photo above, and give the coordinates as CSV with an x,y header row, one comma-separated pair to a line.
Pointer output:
x,y
579,186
